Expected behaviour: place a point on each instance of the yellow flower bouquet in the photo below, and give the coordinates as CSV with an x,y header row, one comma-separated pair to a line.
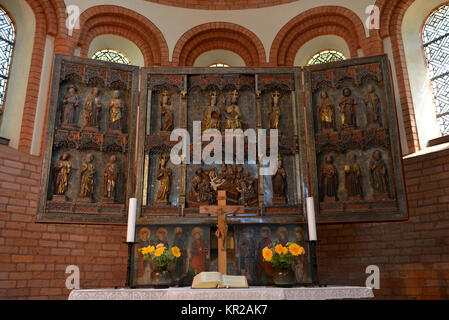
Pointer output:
x,y
282,257
160,256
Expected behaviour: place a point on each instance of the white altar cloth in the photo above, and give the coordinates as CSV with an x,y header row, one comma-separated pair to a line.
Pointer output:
x,y
252,293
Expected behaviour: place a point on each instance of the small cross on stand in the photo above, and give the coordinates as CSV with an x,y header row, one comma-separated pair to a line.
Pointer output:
x,y
221,211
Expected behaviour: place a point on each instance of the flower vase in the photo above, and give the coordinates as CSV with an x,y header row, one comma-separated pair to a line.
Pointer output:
x,y
161,278
284,278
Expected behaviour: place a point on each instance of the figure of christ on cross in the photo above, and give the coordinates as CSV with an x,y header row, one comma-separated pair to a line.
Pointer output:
x,y
222,211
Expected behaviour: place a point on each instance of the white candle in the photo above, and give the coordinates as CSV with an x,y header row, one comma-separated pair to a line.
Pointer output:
x,y
132,212
311,219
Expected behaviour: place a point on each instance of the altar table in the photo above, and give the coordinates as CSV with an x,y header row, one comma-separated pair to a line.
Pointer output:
x,y
251,293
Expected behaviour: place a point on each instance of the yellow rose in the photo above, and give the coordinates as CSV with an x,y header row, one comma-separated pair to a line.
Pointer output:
x,y
159,251
267,254
279,248
296,249
284,250
150,249
176,252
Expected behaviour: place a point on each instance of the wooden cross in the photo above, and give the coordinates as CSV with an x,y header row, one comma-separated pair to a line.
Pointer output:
x,y
221,211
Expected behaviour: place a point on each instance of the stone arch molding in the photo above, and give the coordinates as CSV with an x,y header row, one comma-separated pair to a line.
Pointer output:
x,y
100,20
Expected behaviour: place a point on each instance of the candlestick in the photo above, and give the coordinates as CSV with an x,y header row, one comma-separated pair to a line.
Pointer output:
x,y
311,219
128,283
132,210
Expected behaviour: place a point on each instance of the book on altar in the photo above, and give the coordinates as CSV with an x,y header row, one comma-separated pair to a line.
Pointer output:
x,y
209,280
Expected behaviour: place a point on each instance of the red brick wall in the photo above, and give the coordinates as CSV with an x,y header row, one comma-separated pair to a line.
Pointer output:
x,y
413,256
34,257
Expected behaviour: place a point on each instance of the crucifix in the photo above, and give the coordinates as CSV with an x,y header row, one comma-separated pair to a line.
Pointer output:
x,y
222,211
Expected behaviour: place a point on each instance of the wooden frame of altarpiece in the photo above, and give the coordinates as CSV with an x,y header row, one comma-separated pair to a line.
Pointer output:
x,y
302,144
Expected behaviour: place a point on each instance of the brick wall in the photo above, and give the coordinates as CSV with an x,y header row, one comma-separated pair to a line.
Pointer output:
x,y
413,256
34,257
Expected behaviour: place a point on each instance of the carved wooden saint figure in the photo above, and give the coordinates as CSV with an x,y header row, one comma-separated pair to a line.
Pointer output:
x,y
347,110
353,179
110,178
115,111
166,112
379,176
232,113
70,103
279,182
62,172
326,112
87,178
93,110
329,180
212,114
274,111
164,175
372,103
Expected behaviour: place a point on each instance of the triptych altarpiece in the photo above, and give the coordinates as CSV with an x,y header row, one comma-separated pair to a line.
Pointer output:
x,y
108,139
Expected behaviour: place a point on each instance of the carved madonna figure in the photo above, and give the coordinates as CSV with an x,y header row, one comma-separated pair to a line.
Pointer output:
x,y
372,103
326,112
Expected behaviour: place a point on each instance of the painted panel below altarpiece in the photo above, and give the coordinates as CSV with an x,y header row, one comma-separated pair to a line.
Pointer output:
x,y
199,251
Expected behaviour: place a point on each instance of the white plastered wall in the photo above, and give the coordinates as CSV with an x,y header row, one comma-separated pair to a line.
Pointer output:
x,y
425,112
321,43
123,45
25,22
264,22
219,56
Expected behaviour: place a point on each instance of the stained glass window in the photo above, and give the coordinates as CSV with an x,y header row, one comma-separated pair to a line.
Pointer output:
x,y
7,36
219,65
435,37
326,56
111,56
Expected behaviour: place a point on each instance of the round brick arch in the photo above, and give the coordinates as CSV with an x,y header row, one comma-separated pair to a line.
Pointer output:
x,y
219,35
221,4
50,20
313,23
120,21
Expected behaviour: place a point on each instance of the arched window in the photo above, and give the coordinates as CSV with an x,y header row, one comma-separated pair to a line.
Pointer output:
x,y
219,65
435,36
326,56
7,36
111,56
